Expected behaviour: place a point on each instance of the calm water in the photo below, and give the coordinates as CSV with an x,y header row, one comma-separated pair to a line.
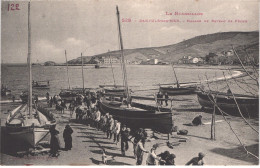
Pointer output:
x,y
139,76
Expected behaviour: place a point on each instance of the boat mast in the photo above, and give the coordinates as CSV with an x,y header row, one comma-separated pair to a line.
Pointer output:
x,y
67,69
122,55
178,85
82,72
29,62
112,69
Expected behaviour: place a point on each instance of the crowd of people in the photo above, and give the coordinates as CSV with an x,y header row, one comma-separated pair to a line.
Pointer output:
x,y
88,112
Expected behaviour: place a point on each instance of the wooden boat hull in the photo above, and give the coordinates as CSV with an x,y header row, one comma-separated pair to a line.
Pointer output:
x,y
120,91
68,96
249,106
139,118
177,91
28,135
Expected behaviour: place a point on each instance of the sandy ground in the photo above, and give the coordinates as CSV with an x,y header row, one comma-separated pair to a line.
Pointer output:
x,y
88,141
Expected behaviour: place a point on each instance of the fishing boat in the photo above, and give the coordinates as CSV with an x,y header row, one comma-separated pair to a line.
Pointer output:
x,y
41,84
29,123
249,105
70,94
126,112
113,89
179,89
135,117
171,91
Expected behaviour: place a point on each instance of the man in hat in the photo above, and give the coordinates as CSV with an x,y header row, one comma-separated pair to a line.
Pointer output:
x,y
116,131
106,120
152,157
166,97
197,121
124,139
197,161
110,126
97,119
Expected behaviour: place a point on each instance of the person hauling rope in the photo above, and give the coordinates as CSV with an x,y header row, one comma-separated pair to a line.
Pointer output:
x,y
140,151
124,139
152,157
116,131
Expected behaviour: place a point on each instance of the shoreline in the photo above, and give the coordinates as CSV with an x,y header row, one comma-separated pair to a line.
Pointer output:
x,y
88,142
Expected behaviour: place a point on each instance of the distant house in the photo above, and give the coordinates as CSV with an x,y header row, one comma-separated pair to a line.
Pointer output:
x,y
194,60
152,61
229,53
190,60
186,59
109,60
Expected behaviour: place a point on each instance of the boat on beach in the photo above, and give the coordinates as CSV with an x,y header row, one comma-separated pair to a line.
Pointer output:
x,y
29,123
182,90
70,94
114,90
135,117
188,88
125,110
249,105
29,129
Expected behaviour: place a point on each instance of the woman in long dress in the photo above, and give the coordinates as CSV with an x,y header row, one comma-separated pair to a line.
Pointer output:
x,y
55,142
67,137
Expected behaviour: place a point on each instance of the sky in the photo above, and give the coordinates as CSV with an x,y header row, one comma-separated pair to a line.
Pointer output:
x,y
90,26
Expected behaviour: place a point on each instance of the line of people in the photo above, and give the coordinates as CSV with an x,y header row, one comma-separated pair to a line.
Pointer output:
x,y
87,111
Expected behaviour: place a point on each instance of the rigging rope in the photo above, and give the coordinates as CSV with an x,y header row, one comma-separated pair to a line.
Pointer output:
x,y
236,134
238,106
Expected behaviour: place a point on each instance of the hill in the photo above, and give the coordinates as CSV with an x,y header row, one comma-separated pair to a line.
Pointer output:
x,y
198,46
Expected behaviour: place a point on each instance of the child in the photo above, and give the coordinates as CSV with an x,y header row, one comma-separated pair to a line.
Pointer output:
x,y
105,158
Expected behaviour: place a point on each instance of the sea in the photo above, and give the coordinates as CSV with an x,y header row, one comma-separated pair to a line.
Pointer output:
x,y
140,77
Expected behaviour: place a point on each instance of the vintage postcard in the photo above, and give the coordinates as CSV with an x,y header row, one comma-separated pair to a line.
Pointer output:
x,y
130,82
